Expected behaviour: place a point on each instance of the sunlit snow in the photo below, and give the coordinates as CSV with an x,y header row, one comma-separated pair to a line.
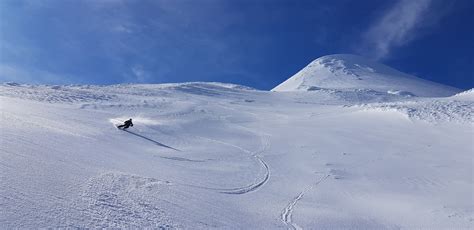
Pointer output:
x,y
346,144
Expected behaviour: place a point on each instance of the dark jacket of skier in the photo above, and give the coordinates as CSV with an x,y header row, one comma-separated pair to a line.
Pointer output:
x,y
126,124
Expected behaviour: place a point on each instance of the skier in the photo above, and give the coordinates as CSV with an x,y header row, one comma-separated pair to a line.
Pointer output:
x,y
126,124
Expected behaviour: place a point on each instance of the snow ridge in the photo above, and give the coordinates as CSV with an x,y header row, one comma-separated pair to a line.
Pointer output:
x,y
345,71
458,108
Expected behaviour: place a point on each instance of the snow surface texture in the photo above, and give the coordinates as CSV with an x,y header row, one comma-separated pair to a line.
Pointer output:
x,y
213,155
349,72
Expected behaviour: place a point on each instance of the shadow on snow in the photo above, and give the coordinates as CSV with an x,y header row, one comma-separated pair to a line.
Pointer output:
x,y
151,140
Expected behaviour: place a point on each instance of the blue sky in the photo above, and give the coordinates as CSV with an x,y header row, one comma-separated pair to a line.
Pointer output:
x,y
255,43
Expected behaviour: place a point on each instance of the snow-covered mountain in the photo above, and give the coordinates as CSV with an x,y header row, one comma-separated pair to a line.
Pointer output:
x,y
214,155
351,72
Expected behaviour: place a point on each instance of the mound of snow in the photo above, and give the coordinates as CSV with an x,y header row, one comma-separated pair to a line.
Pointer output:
x,y
465,95
440,110
345,71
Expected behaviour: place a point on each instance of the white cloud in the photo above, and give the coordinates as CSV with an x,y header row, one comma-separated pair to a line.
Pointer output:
x,y
396,27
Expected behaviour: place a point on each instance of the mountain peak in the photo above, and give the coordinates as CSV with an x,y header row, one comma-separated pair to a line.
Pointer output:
x,y
351,72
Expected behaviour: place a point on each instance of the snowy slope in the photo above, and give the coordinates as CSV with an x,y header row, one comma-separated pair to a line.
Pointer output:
x,y
213,155
457,108
351,72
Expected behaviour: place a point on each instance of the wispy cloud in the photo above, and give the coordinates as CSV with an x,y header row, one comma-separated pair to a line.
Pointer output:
x,y
122,29
396,27
140,74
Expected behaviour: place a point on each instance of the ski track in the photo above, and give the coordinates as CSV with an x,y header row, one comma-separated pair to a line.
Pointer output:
x,y
253,186
286,215
255,154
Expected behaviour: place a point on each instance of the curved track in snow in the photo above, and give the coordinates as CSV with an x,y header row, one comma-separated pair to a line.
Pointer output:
x,y
287,213
254,154
258,183
252,186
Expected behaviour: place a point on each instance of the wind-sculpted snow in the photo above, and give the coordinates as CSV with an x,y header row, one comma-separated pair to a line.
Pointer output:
x,y
123,96
116,200
344,71
354,96
53,94
465,95
222,156
437,110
